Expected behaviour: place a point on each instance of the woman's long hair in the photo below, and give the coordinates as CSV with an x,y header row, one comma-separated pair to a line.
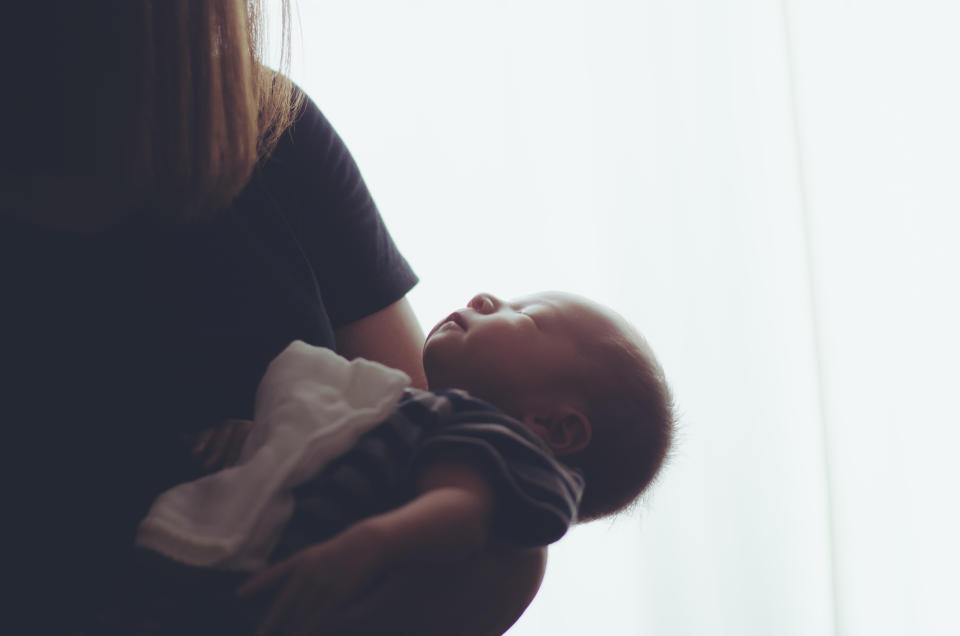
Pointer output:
x,y
156,108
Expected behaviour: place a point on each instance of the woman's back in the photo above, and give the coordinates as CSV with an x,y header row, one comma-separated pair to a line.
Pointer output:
x,y
119,341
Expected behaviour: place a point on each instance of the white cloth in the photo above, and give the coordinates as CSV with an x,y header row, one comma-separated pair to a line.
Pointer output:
x,y
311,407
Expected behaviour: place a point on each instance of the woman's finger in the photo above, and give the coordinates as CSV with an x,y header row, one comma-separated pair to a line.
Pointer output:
x,y
317,622
241,431
266,580
283,612
200,440
219,445
301,610
376,612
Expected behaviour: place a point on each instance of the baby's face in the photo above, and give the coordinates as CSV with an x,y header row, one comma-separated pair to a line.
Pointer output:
x,y
507,351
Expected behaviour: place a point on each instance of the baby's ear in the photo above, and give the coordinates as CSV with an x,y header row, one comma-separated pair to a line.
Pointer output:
x,y
566,430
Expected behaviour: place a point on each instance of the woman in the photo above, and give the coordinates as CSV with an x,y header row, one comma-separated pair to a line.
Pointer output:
x,y
173,214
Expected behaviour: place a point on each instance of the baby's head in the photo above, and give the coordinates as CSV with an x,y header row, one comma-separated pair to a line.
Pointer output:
x,y
575,373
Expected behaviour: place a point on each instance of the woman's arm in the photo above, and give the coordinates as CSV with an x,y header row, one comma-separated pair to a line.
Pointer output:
x,y
445,524
391,336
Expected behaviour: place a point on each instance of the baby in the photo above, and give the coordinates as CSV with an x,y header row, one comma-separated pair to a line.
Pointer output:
x,y
542,411
574,373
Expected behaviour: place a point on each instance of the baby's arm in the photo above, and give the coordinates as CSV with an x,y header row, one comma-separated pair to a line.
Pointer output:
x,y
447,522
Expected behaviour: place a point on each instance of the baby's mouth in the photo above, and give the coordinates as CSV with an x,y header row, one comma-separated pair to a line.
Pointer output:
x,y
455,318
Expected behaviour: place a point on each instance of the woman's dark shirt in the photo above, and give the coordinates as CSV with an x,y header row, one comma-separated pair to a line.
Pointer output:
x,y
119,342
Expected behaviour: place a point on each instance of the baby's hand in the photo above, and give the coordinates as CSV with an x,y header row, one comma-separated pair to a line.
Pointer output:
x,y
218,447
310,587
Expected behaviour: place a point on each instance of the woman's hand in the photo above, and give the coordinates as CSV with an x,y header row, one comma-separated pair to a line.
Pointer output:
x,y
309,588
483,596
219,446
339,593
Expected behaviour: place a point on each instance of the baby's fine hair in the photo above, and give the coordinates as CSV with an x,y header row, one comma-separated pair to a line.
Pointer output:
x,y
630,409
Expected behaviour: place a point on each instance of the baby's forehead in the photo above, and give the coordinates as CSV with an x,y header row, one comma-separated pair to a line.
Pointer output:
x,y
560,301
581,316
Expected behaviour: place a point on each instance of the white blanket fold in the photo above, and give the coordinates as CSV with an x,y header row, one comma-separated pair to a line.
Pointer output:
x,y
311,407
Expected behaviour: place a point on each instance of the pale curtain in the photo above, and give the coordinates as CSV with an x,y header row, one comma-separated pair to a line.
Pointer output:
x,y
769,190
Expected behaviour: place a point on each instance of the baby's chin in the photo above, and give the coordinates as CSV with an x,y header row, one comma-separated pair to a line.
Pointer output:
x,y
435,367
442,375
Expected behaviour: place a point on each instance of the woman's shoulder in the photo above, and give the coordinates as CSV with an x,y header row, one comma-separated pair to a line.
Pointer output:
x,y
309,134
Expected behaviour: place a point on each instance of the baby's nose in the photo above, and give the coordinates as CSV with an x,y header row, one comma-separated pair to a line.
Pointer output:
x,y
484,303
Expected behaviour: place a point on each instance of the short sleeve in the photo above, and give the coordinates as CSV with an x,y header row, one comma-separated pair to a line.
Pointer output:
x,y
358,268
537,495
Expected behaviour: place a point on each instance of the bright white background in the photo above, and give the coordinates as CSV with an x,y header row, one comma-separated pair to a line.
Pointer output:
x,y
769,190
